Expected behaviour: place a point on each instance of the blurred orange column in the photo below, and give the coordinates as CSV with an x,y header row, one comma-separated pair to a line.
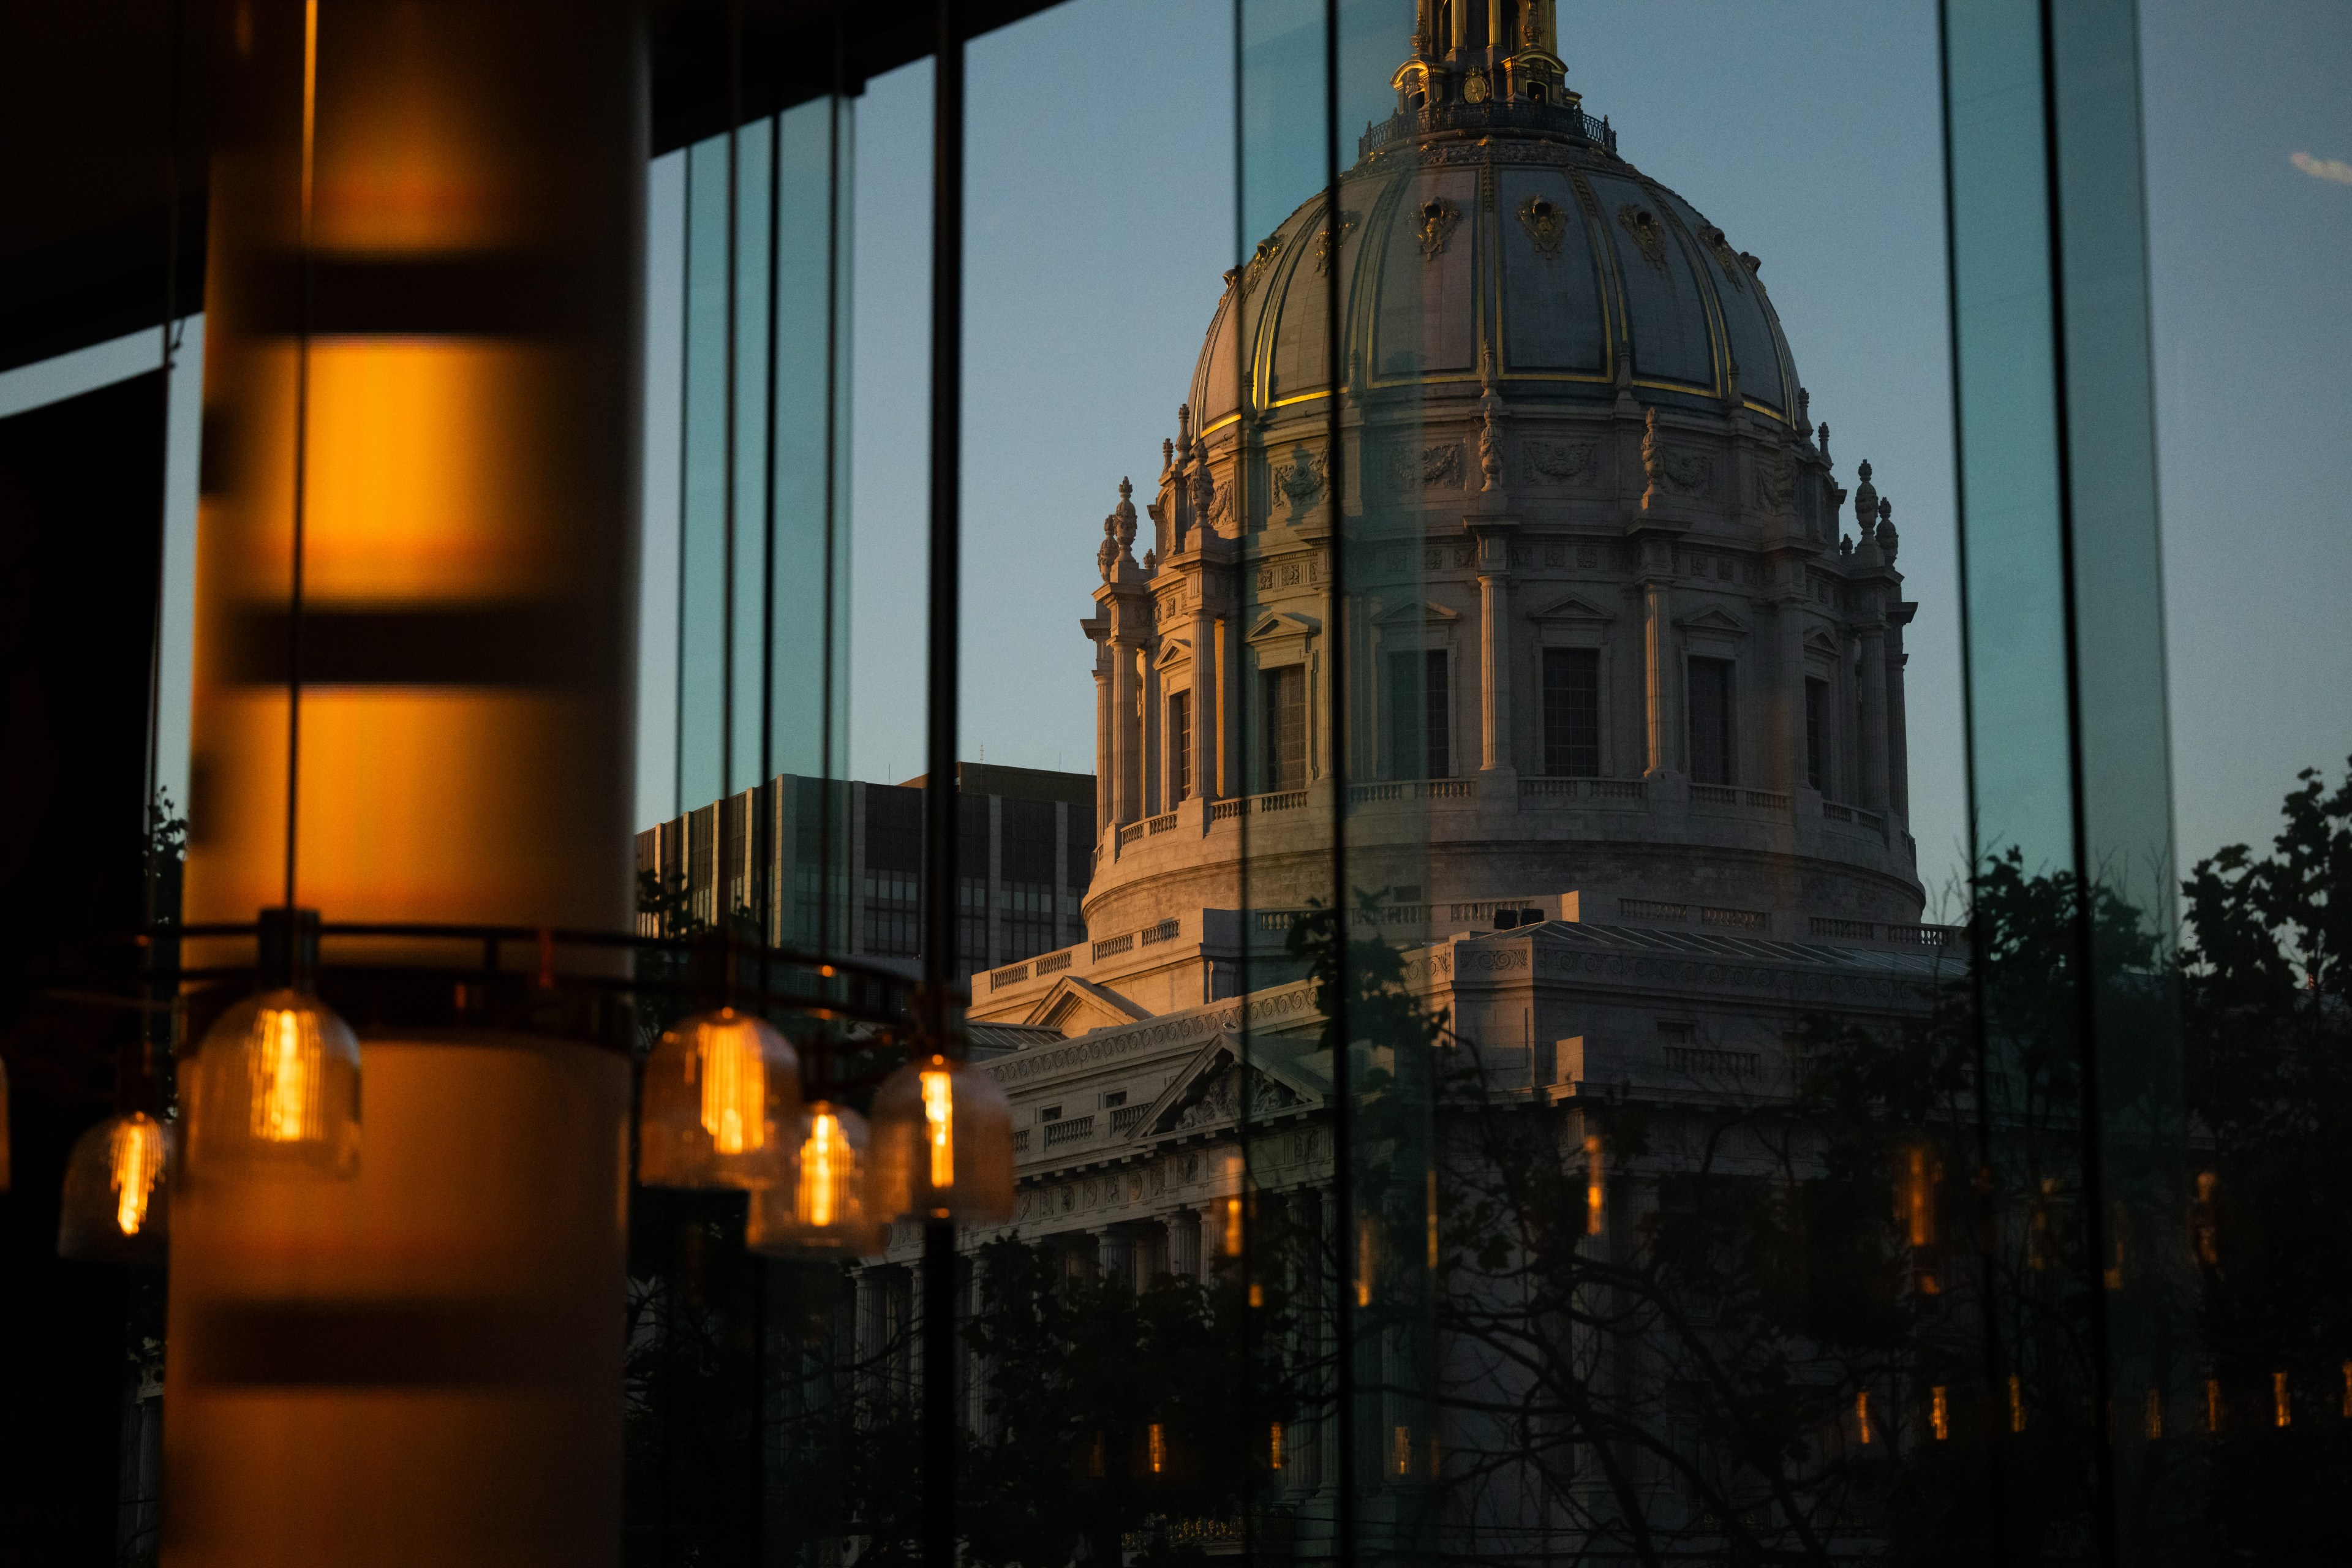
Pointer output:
x,y
423,331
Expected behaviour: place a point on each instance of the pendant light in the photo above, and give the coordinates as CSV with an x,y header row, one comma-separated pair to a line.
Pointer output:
x,y
822,1214
721,1102
276,1089
117,1199
942,1144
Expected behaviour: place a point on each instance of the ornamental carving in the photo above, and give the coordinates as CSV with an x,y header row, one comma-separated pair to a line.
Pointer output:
x,y
1301,480
1323,247
1558,462
1438,218
1648,233
1686,471
1220,1101
1734,266
1776,484
1546,224
1267,249
1475,89
1440,465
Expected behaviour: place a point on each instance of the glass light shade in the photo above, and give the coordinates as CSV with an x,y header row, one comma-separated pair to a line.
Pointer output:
x,y
117,1204
276,1089
721,1102
822,1213
942,1144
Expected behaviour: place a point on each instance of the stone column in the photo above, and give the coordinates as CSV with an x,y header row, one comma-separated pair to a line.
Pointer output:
x,y
1874,715
1898,738
1106,705
1184,1240
1117,1255
1124,773
1208,694
1793,689
1660,678
1152,756
1493,672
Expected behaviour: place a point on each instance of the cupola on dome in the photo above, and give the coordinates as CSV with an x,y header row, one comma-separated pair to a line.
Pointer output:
x,y
1490,221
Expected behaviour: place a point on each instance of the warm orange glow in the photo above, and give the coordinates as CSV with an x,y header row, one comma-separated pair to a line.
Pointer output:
x,y
1232,1228
2212,1404
825,1167
1404,1450
1919,1198
1274,1448
2201,1218
2152,1415
1158,1446
1257,1295
1094,1456
939,1122
1433,1219
283,1059
1595,1214
734,1084
135,1155
1367,1256
2016,1404
1939,1415
1862,1415
2347,1391
2282,1412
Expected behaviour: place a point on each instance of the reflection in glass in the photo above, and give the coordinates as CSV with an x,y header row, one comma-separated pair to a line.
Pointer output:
x,y
117,1193
275,1086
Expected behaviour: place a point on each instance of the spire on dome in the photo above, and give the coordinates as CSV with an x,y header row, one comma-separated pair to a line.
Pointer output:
x,y
1480,51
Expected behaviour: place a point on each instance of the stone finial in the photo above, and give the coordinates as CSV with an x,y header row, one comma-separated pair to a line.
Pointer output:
x,y
1804,409
1167,456
1106,553
1825,440
1150,560
1865,498
1887,538
1124,516
1184,428
1845,544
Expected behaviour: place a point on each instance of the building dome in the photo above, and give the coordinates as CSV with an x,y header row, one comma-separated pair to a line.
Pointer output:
x,y
1504,231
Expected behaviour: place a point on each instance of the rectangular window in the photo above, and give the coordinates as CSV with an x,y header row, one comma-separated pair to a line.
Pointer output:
x,y
1571,712
1180,747
1024,892
1817,705
1419,716
1710,721
1286,727
893,865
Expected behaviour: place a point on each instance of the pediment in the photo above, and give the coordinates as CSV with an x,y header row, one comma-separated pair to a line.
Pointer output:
x,y
1819,641
1075,1006
1282,624
1175,652
1208,1092
1417,612
1714,618
1571,607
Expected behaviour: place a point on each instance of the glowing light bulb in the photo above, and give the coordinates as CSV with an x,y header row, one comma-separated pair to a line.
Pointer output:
x,y
1595,1191
821,1152
1939,1413
821,1211
135,1153
277,1087
1274,1448
939,1122
1159,1447
719,1105
118,1183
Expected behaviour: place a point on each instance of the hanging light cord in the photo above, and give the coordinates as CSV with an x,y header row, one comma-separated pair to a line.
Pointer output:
x,y
301,446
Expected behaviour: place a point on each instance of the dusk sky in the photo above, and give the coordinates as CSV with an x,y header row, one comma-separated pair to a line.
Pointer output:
x,y
1102,216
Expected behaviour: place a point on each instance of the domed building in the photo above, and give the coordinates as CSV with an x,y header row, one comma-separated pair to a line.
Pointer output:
x,y
1607,654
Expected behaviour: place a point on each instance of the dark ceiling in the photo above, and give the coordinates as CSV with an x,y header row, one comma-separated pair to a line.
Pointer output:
x,y
88,102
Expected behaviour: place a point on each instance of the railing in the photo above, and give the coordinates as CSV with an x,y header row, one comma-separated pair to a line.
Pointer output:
x,y
1843,930
1714,794
1873,820
1114,944
1770,799
1652,910
1518,113
1590,789
1129,834
1053,963
1364,794
1413,789
1021,1140
1126,1117
1924,936
1699,1062
1219,811
1069,1131
1011,975
1735,919
1164,932
1837,813
1290,800
1161,823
